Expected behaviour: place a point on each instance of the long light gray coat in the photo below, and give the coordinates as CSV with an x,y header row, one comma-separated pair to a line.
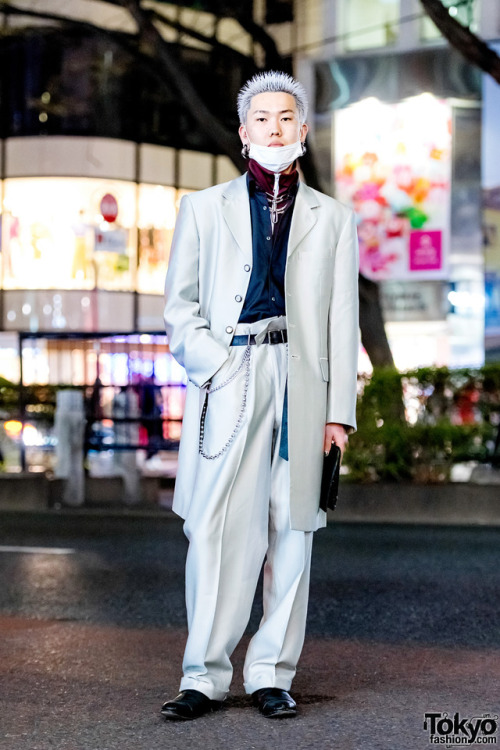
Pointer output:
x,y
207,280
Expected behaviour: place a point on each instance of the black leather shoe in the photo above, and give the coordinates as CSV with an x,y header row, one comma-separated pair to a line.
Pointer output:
x,y
190,704
274,703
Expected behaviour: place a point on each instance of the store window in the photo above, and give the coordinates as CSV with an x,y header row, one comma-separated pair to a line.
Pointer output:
x,y
158,208
9,361
464,11
157,213
62,233
369,23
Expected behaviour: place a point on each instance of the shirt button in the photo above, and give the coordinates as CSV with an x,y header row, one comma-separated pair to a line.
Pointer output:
x,y
268,238
229,329
238,298
247,267
264,208
273,299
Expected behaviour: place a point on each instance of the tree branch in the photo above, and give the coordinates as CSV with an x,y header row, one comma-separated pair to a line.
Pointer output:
x,y
225,140
183,30
371,322
462,39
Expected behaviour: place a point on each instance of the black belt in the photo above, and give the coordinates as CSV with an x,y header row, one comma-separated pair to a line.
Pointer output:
x,y
271,337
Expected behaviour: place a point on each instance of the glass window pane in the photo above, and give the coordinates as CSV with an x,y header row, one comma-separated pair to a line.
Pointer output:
x,y
157,213
66,233
369,23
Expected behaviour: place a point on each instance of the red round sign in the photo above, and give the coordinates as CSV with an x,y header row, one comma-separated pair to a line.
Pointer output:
x,y
109,207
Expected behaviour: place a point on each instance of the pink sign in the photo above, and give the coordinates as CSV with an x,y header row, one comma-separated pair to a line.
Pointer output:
x,y
426,252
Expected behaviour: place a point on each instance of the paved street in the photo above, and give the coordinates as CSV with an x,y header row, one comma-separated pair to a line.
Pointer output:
x,y
403,621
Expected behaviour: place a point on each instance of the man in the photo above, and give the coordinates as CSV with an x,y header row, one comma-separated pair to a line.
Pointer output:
x,y
262,311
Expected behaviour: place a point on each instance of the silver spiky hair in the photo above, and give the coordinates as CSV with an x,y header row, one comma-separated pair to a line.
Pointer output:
x,y
271,80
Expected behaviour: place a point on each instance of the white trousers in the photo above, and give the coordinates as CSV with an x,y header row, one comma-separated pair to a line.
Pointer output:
x,y
239,517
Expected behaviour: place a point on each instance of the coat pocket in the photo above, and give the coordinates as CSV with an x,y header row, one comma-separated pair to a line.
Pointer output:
x,y
325,370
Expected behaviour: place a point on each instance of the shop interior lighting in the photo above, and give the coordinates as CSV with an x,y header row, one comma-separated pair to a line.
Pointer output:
x,y
463,300
31,436
13,428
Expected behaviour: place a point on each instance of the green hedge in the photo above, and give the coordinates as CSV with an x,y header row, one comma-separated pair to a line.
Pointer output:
x,y
37,399
415,425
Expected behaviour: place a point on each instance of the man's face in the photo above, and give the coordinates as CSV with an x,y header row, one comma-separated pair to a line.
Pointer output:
x,y
273,120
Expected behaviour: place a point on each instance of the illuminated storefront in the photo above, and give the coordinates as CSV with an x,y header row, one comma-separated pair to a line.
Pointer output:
x,y
491,213
80,233
104,367
86,231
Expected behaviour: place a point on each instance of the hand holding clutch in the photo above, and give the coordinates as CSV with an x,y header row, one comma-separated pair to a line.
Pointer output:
x,y
330,479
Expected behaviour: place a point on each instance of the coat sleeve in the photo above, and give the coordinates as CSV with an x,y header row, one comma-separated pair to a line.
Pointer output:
x,y
343,329
189,336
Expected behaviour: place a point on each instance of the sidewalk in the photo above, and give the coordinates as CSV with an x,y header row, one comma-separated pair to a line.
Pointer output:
x,y
456,503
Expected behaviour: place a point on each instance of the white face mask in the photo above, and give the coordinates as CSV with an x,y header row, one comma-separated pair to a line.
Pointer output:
x,y
275,158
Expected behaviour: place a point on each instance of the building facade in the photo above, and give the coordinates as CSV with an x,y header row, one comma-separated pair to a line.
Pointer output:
x,y
95,157
96,152
404,133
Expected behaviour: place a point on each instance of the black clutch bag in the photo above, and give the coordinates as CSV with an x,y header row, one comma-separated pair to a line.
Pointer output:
x,y
330,479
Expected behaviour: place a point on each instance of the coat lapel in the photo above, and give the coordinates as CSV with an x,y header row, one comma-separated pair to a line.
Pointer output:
x,y
236,212
304,216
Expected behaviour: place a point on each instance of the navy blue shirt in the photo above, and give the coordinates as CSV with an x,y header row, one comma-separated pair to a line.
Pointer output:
x,y
266,290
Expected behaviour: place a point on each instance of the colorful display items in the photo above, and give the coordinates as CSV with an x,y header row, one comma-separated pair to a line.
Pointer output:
x,y
396,174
